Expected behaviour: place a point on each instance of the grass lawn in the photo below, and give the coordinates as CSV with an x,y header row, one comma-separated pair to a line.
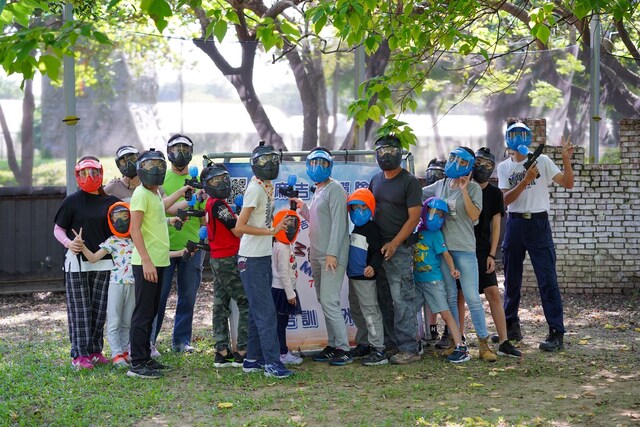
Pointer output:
x,y
595,381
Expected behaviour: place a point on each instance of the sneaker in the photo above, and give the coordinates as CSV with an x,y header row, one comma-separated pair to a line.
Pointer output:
x,y
360,351
98,359
154,351
144,371
444,342
120,361
495,339
183,348
237,360
290,359
153,364
325,355
421,347
449,350
341,358
459,355
514,332
82,362
507,349
127,356
375,358
249,366
433,337
553,342
404,358
220,361
276,370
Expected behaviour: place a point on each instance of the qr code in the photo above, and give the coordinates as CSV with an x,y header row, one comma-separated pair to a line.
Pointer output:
x,y
238,185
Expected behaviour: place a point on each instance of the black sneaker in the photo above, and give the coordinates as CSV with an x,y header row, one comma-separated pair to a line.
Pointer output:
x,y
341,358
553,342
507,349
375,358
444,342
433,337
514,332
238,360
226,361
325,355
360,351
144,371
154,364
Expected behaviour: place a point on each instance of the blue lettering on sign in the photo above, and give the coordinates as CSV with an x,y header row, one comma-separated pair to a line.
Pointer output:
x,y
306,268
293,322
360,184
346,313
303,190
309,319
278,186
304,224
346,185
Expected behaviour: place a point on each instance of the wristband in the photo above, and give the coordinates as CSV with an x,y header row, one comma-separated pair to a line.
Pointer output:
x,y
492,257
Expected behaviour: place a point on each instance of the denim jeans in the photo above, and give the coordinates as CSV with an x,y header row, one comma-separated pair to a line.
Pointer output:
x,y
399,274
533,236
188,282
262,339
467,264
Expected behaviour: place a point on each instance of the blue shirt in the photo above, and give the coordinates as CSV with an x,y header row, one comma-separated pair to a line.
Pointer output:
x,y
426,262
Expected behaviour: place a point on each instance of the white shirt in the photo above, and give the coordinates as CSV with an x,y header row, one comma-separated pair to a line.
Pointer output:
x,y
261,217
534,198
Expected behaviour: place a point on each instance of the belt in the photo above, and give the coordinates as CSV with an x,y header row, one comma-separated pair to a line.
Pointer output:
x,y
529,215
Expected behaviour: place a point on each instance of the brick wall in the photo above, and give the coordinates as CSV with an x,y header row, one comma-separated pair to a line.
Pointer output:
x,y
596,225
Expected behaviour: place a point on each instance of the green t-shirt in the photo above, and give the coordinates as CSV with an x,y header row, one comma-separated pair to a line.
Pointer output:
x,y
189,231
154,227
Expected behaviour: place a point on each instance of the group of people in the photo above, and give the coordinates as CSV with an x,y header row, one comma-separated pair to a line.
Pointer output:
x,y
408,246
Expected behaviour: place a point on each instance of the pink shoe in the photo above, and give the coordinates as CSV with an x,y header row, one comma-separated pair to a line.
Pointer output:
x,y
82,362
98,359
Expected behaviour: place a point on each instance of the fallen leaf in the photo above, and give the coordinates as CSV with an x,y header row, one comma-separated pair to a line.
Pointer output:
x,y
583,342
560,396
495,410
225,405
637,329
492,374
609,326
476,385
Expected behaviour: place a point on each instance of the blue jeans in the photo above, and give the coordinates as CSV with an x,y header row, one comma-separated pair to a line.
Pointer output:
x,y
399,275
262,339
188,282
533,236
467,264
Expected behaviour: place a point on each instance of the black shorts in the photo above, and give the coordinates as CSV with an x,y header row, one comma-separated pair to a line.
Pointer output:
x,y
485,279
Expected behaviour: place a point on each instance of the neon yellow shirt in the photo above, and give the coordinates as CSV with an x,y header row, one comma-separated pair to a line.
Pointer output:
x,y
154,227
172,183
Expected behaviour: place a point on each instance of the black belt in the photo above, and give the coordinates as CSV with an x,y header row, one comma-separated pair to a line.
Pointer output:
x,y
529,215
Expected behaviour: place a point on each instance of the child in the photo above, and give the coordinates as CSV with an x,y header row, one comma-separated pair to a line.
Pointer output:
x,y
285,274
224,244
427,273
121,299
254,264
365,259
149,259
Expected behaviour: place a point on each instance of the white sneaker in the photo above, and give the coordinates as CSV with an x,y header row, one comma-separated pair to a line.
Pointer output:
x,y
290,359
154,352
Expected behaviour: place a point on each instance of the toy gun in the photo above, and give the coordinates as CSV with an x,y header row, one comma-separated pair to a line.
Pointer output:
x,y
183,214
289,191
239,199
193,246
193,172
533,158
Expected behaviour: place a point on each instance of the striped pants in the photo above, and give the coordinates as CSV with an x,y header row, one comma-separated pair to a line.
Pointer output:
x,y
86,294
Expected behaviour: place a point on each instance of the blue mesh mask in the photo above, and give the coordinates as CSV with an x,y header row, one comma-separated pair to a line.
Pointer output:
x,y
319,166
359,213
518,137
460,163
434,213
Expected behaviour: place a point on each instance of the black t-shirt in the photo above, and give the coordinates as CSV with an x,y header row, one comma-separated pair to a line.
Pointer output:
x,y
88,211
393,198
492,204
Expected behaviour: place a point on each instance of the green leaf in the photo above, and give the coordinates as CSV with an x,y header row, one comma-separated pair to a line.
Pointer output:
x,y
320,23
51,66
2,5
543,33
289,29
101,37
158,10
220,30
374,113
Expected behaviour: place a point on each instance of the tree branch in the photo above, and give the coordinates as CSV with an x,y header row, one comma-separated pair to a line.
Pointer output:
x,y
11,154
624,35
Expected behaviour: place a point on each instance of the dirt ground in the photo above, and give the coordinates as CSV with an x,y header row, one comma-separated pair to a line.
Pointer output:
x,y
597,381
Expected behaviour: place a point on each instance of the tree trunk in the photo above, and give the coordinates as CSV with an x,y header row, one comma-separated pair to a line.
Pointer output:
x,y
28,112
242,80
308,88
11,154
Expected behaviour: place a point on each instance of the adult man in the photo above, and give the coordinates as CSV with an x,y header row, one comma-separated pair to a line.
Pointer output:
x,y
179,152
526,195
399,200
122,188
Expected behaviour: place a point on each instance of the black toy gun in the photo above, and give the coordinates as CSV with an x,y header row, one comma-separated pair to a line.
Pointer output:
x,y
532,158
183,214
193,182
290,191
193,246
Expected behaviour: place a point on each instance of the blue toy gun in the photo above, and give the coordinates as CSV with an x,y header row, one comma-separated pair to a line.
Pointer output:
x,y
193,246
194,182
239,199
183,214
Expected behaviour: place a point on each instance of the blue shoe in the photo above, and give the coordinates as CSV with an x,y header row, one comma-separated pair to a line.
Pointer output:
x,y
459,355
277,370
341,358
252,366
325,355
